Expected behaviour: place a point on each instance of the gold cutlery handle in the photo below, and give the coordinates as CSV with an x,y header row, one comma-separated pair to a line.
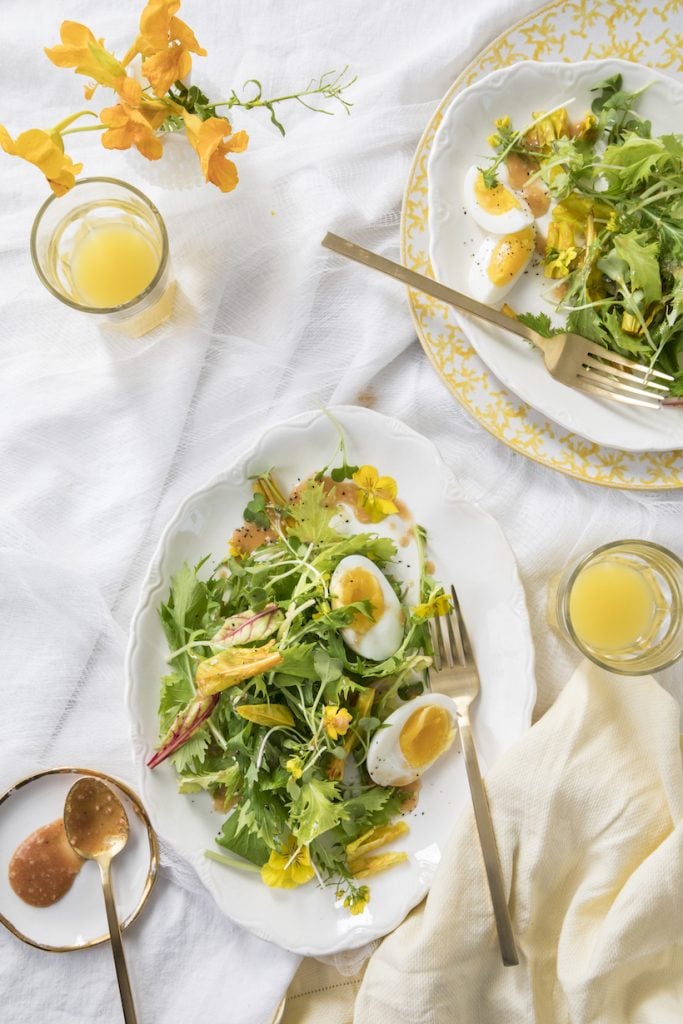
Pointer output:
x,y
129,1015
430,287
482,816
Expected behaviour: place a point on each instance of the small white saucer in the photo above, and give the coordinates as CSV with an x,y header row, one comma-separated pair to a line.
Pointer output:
x,y
78,920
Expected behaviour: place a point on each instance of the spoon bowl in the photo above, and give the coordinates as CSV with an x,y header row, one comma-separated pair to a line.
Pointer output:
x,y
96,825
95,820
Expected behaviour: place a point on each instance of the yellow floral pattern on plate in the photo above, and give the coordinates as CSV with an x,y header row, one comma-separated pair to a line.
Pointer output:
x,y
643,32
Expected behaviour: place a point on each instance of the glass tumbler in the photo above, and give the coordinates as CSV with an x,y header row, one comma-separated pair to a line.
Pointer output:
x,y
622,606
102,248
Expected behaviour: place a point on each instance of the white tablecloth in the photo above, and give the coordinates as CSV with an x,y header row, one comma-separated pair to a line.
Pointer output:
x,y
102,437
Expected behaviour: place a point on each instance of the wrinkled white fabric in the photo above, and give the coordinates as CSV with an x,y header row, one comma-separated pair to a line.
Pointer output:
x,y
588,809
102,437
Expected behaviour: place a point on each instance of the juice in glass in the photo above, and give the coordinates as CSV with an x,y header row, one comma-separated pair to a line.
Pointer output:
x,y
622,606
103,248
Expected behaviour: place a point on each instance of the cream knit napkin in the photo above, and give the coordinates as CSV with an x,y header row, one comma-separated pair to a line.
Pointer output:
x,y
588,810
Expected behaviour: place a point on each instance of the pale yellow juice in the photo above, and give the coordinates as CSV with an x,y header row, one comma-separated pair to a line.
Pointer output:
x,y
613,605
111,264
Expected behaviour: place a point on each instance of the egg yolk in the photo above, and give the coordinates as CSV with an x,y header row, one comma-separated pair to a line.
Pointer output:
x,y
510,255
496,200
425,735
361,585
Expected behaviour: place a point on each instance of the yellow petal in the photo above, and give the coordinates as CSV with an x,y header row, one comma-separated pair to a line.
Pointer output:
x,y
365,477
363,867
234,666
376,837
266,714
387,486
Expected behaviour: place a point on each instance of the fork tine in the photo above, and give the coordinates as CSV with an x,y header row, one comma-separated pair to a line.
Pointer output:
x,y
455,644
617,396
461,629
609,383
612,357
435,634
605,368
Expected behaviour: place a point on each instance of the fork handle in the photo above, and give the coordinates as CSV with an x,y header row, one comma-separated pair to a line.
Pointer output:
x,y
430,287
487,839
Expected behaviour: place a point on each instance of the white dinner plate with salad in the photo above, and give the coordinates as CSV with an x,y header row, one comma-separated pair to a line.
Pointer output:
x,y
519,92
277,758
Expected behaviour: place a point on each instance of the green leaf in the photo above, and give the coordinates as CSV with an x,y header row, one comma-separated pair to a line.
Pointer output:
x,y
343,473
255,512
192,753
539,322
316,810
228,779
311,515
242,842
643,262
327,669
176,693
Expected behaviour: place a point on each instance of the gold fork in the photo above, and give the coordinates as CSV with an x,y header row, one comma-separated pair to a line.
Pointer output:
x,y
569,358
457,676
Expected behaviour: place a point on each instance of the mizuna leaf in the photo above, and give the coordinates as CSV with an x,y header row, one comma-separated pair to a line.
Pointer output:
x,y
234,666
266,714
248,626
185,724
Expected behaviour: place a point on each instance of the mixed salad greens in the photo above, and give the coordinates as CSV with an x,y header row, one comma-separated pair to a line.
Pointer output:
x,y
615,238
265,706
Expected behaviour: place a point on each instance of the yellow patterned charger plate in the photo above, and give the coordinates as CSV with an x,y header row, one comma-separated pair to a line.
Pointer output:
x,y
644,32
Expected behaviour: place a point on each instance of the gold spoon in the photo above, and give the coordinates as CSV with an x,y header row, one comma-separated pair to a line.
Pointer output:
x,y
97,827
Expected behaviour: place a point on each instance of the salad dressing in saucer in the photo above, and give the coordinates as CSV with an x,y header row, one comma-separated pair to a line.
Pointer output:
x,y
44,866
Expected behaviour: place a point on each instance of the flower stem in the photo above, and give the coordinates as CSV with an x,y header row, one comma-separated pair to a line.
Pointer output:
x,y
58,128
84,128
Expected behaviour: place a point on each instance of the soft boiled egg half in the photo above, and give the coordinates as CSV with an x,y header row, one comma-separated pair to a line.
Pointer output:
x,y
498,264
411,739
498,210
378,635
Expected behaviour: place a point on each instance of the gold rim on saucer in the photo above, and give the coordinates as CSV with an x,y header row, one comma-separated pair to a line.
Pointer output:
x,y
151,838
560,30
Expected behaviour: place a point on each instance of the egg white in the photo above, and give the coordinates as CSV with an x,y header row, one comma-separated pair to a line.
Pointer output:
x,y
504,223
481,287
386,763
383,637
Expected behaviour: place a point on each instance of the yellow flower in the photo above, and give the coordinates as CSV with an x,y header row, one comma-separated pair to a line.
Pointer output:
x,y
438,604
376,493
166,42
336,721
87,56
211,140
134,126
46,151
371,864
288,869
358,900
503,122
234,666
295,767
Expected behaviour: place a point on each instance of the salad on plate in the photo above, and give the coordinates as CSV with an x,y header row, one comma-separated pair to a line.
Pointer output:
x,y
598,203
297,694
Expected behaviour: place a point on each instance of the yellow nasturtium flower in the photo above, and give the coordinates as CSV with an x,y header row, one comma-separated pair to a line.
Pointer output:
x,y
288,869
438,604
46,152
166,43
295,767
336,721
375,493
357,901
134,126
87,56
212,141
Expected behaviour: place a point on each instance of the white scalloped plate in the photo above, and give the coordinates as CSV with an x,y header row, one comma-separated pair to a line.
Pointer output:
x,y
453,239
467,547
